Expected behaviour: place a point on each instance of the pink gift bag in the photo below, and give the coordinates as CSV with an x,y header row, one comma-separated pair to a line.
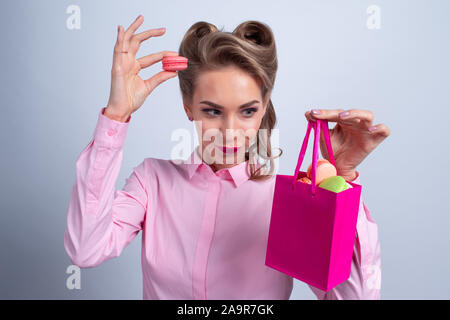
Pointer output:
x,y
312,230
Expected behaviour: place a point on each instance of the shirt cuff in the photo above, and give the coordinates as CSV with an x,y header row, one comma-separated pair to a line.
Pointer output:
x,y
110,133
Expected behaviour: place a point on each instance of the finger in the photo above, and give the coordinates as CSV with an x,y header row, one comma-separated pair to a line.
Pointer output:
x,y
119,49
309,117
159,78
381,129
119,41
330,115
133,27
137,39
149,33
153,58
357,115
354,117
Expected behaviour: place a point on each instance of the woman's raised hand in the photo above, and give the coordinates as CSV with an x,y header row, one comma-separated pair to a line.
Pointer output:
x,y
128,89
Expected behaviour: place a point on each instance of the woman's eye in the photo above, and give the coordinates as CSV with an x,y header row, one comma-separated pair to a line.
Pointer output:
x,y
211,112
214,112
251,110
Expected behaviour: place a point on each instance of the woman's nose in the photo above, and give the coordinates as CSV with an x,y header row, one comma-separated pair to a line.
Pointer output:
x,y
228,123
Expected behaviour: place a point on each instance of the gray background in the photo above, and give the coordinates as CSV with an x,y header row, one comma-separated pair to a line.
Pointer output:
x,y
55,80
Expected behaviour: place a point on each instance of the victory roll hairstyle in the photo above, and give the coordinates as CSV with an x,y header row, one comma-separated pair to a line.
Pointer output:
x,y
250,47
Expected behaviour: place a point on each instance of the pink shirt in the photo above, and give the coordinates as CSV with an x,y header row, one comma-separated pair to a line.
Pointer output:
x,y
204,233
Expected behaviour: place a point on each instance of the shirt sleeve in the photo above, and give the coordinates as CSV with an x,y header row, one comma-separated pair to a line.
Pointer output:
x,y
365,276
101,222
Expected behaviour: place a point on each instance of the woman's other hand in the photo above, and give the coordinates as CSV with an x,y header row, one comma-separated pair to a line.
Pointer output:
x,y
352,138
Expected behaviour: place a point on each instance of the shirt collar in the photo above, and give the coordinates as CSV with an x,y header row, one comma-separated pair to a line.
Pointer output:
x,y
238,173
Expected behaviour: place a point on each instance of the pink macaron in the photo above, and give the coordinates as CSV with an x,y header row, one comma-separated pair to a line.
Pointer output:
x,y
174,63
325,169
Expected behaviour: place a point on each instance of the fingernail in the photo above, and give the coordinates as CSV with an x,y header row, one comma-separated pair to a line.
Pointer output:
x,y
344,114
373,128
315,111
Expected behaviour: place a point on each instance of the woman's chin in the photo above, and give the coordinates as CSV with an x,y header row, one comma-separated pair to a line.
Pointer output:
x,y
232,158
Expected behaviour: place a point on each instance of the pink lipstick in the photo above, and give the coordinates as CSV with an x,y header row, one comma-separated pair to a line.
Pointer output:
x,y
229,149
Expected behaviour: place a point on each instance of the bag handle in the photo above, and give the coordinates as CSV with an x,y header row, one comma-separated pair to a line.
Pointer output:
x,y
317,125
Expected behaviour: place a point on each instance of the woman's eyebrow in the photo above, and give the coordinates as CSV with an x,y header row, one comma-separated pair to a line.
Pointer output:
x,y
212,104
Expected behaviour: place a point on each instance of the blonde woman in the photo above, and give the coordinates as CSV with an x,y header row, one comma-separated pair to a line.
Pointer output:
x,y
205,221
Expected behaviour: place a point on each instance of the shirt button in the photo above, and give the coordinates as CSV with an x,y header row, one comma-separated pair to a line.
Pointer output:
x,y
111,132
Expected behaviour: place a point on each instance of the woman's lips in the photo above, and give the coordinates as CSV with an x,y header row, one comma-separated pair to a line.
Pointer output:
x,y
229,149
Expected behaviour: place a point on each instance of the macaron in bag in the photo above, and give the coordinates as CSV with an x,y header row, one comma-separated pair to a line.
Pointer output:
x,y
312,227
326,177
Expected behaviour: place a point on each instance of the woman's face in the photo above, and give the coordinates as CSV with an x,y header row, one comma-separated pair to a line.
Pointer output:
x,y
227,108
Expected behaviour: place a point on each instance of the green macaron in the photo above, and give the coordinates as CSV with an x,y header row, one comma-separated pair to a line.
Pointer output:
x,y
335,184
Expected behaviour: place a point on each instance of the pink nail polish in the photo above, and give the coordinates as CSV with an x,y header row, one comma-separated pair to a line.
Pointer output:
x,y
315,111
373,128
343,114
